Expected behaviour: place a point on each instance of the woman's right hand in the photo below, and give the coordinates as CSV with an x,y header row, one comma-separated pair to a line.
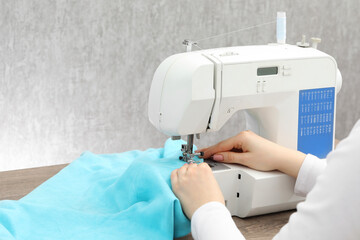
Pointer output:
x,y
253,151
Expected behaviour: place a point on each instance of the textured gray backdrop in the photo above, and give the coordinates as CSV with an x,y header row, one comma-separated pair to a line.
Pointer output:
x,y
75,75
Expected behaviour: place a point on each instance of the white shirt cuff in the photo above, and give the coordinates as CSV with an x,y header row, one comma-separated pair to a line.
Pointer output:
x,y
213,221
310,169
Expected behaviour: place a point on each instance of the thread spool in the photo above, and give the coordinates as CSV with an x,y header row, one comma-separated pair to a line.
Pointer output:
x,y
281,27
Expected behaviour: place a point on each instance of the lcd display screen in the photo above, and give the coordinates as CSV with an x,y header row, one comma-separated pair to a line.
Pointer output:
x,y
267,71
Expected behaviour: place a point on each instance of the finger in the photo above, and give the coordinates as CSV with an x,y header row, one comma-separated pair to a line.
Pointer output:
x,y
232,157
204,168
222,146
201,150
182,171
192,167
204,165
174,177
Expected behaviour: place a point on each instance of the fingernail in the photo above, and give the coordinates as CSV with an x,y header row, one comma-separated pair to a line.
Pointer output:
x,y
218,157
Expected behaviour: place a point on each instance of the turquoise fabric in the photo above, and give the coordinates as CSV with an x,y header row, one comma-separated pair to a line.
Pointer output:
x,y
112,196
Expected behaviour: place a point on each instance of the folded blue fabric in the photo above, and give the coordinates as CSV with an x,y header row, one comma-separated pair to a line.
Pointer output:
x,y
112,196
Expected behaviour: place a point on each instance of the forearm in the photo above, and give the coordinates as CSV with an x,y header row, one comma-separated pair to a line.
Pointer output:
x,y
290,161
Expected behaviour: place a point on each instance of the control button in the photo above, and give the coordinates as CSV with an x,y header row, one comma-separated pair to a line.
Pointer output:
x,y
286,73
258,86
263,86
286,67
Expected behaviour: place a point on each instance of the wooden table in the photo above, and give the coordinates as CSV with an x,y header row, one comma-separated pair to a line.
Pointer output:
x,y
18,183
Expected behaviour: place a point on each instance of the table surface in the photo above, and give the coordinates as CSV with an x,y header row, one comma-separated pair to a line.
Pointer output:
x,y
16,184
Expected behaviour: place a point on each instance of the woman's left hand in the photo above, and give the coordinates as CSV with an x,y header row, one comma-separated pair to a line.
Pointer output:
x,y
195,185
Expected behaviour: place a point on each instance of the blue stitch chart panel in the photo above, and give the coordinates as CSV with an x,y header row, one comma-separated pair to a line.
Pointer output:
x,y
316,121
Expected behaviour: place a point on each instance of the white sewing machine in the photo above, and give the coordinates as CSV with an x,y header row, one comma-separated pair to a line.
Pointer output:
x,y
288,92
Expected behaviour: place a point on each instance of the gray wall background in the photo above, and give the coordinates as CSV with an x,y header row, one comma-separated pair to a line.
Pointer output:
x,y
75,75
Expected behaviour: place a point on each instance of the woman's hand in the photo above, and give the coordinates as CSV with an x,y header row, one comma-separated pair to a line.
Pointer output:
x,y
253,151
195,185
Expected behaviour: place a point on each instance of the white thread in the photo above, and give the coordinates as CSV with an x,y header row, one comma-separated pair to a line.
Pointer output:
x,y
196,45
239,30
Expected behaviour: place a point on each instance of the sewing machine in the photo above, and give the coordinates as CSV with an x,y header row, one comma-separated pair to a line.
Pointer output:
x,y
288,93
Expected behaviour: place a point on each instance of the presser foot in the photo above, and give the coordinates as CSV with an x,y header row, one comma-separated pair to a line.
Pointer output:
x,y
188,156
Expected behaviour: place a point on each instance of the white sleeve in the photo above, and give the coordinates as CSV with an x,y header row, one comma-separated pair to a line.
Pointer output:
x,y
310,169
212,221
331,209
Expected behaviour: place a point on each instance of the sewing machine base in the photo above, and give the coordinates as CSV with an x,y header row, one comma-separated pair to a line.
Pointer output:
x,y
248,192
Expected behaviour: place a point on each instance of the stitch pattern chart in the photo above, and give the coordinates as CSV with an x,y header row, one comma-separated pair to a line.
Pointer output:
x,y
316,121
